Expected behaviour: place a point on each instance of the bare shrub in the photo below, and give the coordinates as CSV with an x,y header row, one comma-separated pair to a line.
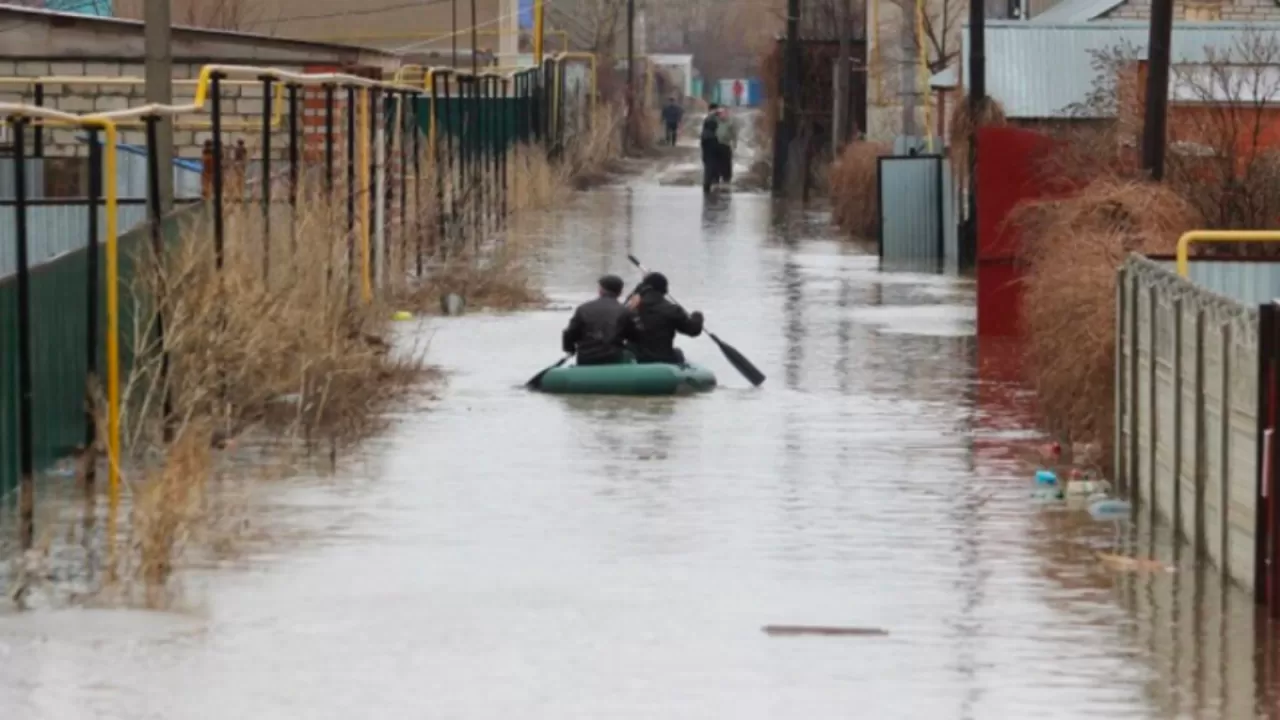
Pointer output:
x,y
962,126
1069,306
855,193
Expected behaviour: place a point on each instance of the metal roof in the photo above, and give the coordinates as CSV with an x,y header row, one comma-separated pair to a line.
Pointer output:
x,y
1076,11
1037,70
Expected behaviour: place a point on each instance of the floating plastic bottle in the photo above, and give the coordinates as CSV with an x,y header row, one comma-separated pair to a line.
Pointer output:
x,y
1046,477
1110,509
1087,487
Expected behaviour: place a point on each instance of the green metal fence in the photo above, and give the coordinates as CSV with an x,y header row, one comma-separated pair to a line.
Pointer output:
x,y
59,341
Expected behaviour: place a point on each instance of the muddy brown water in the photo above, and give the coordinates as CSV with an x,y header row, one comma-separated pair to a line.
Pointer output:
x,y
513,555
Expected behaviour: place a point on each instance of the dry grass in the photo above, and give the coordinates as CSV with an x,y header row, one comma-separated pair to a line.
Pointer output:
x,y
1069,307
592,154
855,195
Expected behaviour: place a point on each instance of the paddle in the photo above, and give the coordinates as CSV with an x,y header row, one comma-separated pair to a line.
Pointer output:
x,y
735,358
536,380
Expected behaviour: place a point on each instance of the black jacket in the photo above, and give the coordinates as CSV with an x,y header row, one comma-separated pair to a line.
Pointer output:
x,y
652,328
596,331
672,114
709,127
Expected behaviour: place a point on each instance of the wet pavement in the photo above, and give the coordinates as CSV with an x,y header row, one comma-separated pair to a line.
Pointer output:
x,y
514,555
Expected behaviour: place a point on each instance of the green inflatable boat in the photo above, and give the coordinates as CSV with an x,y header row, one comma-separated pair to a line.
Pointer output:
x,y
628,379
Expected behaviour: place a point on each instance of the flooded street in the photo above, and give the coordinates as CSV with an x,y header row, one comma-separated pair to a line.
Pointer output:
x,y
516,555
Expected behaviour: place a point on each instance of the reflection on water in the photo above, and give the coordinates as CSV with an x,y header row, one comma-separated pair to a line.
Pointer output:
x,y
518,555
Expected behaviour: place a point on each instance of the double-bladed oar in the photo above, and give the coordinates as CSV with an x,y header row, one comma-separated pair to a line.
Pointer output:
x,y
735,358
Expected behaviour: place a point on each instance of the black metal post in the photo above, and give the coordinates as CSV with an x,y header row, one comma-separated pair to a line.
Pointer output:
x,y
449,166
437,156
293,167
1155,117
371,196
417,176
351,184
91,306
26,425
155,217
328,141
215,90
405,128
267,82
38,148
475,43
977,101
507,144
482,157
786,128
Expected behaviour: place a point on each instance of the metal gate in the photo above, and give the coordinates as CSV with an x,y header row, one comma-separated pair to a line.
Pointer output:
x,y
917,213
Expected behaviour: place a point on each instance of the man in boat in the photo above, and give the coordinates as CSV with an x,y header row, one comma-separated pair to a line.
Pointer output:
x,y
653,322
597,329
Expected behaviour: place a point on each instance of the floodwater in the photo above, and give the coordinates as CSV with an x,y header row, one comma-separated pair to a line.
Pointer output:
x,y
514,555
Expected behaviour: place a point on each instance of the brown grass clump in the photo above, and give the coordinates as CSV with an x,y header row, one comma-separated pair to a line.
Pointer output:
x,y
963,125
855,194
590,156
501,278
1073,248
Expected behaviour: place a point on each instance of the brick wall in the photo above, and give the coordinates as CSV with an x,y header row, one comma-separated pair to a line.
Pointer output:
x,y
242,104
1226,10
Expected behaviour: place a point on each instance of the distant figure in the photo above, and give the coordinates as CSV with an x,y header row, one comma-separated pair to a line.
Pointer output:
x,y
711,155
597,329
654,321
737,93
726,141
672,114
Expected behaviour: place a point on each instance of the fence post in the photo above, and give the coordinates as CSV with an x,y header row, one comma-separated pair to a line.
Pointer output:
x,y
1202,460
293,170
1262,500
1224,494
1118,454
328,140
407,125
1153,405
351,188
92,288
1131,473
26,447
155,218
215,90
1178,372
267,82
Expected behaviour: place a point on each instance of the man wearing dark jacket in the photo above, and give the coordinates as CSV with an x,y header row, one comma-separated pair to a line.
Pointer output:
x,y
653,322
597,328
710,149
672,113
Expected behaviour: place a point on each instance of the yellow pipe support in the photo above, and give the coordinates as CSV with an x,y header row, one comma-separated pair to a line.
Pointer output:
x,y
590,58
539,26
922,75
1218,236
111,197
366,286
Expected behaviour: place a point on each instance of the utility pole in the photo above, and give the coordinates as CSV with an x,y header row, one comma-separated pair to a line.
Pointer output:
x,y
785,132
840,122
1155,118
454,35
475,45
159,90
631,71
907,80
977,101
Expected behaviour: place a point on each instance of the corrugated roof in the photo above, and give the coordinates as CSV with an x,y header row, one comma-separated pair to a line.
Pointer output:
x,y
1038,70
1076,11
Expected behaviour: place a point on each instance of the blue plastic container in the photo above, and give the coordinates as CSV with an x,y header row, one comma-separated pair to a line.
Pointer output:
x,y
1110,509
1046,477
755,92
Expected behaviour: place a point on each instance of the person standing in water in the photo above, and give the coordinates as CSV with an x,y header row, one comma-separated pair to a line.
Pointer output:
x,y
711,155
672,114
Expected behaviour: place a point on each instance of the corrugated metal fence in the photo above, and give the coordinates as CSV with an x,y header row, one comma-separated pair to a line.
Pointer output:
x,y
55,230
918,225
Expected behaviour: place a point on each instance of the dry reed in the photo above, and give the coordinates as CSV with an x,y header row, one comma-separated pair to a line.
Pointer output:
x,y
963,124
1072,249
855,193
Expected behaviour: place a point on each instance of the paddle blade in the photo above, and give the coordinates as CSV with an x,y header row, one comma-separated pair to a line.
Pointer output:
x,y
536,381
739,362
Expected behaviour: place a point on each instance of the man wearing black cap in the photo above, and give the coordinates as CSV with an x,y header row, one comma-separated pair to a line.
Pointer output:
x,y
653,322
596,330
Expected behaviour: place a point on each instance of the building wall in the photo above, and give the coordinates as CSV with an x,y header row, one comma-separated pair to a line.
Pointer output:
x,y
1228,10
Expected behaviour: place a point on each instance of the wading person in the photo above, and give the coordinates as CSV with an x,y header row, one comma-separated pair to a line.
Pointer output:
x,y
597,329
654,321
710,149
726,140
672,114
